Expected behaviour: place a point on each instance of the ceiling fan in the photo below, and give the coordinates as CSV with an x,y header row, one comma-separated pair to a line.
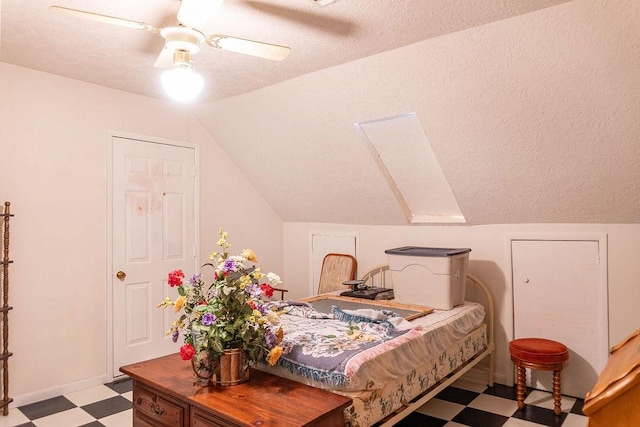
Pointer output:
x,y
185,38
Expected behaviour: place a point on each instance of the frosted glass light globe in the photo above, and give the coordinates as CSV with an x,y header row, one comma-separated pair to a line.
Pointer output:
x,y
182,84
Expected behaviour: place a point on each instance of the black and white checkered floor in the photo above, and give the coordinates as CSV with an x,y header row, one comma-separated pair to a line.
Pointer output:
x,y
463,404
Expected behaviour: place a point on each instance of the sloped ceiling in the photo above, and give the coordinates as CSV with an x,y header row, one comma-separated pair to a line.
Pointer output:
x,y
319,37
530,106
534,119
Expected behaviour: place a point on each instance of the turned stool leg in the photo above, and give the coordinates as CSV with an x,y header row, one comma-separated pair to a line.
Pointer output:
x,y
521,382
556,392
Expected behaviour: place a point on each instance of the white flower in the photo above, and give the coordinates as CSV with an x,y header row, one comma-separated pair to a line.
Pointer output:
x,y
273,318
274,279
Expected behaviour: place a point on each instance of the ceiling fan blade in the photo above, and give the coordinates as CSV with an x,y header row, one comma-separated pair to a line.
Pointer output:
x,y
249,47
165,58
104,18
196,13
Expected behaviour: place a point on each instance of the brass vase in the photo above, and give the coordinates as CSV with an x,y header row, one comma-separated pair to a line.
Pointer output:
x,y
230,368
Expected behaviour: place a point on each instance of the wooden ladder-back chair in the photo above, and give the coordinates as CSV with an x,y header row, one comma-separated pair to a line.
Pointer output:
x,y
336,268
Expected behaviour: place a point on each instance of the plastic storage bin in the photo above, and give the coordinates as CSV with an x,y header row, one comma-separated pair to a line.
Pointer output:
x,y
434,277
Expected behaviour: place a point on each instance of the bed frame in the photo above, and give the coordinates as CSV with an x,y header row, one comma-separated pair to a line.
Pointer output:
x,y
376,276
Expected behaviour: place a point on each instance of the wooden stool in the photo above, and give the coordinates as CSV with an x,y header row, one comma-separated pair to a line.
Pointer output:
x,y
538,353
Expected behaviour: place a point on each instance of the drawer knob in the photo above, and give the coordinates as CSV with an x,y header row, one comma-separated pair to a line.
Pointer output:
x,y
156,409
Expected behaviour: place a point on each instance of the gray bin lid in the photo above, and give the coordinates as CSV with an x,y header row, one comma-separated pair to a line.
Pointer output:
x,y
426,252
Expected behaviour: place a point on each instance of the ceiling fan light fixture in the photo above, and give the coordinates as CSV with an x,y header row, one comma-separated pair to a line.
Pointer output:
x,y
181,83
196,13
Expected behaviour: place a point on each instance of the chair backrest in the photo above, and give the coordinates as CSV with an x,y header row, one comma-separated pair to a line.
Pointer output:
x,y
336,268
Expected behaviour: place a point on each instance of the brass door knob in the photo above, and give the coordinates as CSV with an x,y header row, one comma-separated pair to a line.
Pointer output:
x,y
121,275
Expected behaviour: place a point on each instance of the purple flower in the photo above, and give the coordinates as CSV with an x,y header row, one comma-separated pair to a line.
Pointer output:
x,y
174,336
229,265
195,278
253,290
208,319
270,339
264,309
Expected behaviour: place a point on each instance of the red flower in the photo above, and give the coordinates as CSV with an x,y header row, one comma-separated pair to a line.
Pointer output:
x,y
252,305
187,352
175,278
267,290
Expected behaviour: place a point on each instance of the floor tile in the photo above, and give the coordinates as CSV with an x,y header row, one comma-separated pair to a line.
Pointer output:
x,y
107,407
46,407
540,415
442,409
457,395
124,418
577,407
502,391
515,422
70,418
545,400
476,417
121,386
495,404
14,418
575,420
420,420
90,395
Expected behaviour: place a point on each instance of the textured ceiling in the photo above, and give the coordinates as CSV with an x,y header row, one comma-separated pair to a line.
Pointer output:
x,y
320,37
530,107
533,119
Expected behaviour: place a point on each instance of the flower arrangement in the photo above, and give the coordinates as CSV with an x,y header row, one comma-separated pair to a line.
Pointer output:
x,y
228,312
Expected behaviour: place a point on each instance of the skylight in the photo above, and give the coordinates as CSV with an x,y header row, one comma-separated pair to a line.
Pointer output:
x,y
405,157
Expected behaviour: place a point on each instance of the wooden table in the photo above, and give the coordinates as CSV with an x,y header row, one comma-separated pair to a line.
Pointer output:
x,y
165,393
613,401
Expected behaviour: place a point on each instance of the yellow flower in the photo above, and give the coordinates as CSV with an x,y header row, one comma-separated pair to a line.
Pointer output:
x,y
245,281
166,302
274,355
280,334
249,255
257,274
179,303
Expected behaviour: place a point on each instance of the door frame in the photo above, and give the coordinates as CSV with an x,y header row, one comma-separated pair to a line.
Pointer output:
x,y
111,375
603,279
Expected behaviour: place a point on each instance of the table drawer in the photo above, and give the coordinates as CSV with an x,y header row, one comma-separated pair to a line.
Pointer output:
x,y
200,418
160,408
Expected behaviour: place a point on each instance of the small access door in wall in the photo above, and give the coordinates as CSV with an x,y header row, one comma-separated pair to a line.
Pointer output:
x,y
560,293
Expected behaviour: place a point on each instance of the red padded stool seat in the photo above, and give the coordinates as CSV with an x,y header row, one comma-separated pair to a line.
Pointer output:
x,y
538,353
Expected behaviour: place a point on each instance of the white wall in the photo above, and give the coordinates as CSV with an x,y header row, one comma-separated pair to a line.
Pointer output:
x,y
489,261
53,139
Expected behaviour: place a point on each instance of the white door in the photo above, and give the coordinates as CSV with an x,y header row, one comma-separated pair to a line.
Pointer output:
x,y
153,233
558,294
323,244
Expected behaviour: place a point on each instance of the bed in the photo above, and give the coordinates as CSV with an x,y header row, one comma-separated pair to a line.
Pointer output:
x,y
387,365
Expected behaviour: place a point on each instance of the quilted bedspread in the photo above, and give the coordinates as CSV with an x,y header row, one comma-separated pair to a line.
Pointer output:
x,y
347,350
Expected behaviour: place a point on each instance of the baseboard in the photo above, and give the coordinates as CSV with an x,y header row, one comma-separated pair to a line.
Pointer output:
x,y
39,395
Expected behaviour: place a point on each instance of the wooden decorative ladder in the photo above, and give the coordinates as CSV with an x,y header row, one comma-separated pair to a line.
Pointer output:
x,y
4,403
